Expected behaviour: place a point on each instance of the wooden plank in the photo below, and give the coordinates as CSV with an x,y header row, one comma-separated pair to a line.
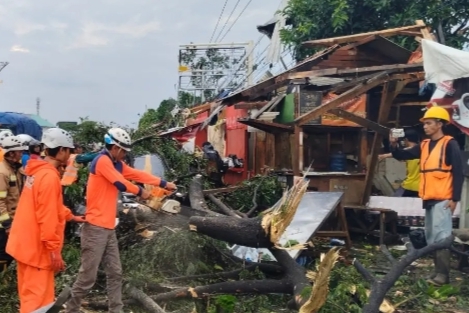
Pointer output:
x,y
270,150
424,30
409,33
358,43
357,37
363,149
269,127
361,121
296,151
390,91
250,105
281,145
360,89
336,71
260,152
272,103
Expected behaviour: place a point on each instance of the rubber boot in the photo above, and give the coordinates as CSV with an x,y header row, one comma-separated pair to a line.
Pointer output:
x,y
443,263
432,275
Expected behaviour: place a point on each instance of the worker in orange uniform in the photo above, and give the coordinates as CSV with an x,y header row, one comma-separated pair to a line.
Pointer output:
x,y
109,175
11,182
441,180
37,232
3,135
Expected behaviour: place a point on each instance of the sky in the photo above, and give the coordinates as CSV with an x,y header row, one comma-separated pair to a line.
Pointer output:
x,y
107,59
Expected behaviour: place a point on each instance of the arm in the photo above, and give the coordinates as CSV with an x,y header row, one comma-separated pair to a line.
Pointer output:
x,y
454,158
3,197
142,177
405,154
86,157
68,214
105,168
47,211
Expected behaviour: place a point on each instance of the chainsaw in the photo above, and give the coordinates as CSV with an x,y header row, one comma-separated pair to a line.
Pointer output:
x,y
161,200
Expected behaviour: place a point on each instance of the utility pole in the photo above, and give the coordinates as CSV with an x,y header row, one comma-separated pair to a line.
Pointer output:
x,y
38,106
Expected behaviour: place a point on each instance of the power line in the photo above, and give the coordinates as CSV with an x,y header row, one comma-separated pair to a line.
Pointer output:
x,y
227,20
218,22
234,22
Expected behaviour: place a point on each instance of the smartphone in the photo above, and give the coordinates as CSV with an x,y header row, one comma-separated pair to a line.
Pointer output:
x,y
397,133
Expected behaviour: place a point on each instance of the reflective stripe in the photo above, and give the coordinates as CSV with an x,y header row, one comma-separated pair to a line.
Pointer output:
x,y
3,194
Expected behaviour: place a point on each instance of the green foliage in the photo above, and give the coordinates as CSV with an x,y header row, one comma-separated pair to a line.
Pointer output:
x,y
331,18
269,191
87,131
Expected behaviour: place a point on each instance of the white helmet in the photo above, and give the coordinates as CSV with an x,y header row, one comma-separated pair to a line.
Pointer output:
x,y
119,137
29,140
57,137
13,143
4,134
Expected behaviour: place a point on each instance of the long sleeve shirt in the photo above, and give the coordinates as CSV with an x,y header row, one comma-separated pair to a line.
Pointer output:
x,y
453,159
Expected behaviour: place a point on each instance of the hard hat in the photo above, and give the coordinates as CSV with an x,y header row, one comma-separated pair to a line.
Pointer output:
x,y
13,143
26,139
4,134
119,137
57,137
436,112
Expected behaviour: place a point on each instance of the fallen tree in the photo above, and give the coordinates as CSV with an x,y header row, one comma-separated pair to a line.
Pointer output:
x,y
285,276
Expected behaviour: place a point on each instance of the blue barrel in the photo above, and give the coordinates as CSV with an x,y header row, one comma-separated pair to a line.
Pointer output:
x,y
338,162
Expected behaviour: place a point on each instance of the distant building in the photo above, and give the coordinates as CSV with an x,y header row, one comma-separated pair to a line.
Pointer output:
x,y
44,124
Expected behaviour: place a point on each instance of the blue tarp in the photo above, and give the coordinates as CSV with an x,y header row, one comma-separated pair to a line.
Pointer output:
x,y
20,124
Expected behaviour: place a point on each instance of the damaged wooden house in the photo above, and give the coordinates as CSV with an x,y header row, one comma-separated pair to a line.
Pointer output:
x,y
332,113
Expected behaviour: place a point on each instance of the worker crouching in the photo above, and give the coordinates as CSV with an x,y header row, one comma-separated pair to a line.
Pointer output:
x,y
40,211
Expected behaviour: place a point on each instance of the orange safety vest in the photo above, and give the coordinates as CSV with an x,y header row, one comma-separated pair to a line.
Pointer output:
x,y
71,172
436,179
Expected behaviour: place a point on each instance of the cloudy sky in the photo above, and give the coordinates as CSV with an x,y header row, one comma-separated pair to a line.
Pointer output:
x,y
106,59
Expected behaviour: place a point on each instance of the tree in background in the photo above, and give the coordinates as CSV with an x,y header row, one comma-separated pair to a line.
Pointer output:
x,y
331,18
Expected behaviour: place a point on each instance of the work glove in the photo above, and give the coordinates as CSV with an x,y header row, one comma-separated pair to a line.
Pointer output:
x,y
57,263
78,219
4,217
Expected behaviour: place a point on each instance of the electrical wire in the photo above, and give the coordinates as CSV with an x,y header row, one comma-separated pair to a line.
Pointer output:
x,y
218,22
234,22
227,20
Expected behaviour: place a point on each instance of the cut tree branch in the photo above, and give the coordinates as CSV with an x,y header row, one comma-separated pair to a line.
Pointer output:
x,y
379,288
242,231
147,303
223,207
266,286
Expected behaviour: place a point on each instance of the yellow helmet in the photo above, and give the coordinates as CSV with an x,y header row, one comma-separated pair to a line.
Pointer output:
x,y
436,112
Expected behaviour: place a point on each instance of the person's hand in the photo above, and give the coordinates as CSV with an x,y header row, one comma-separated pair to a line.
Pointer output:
x,y
57,262
145,194
451,205
381,157
78,219
171,186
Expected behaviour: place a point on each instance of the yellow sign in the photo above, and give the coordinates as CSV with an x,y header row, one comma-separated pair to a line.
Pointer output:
x,y
183,68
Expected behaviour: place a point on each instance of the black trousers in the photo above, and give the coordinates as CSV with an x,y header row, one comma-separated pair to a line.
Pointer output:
x,y
5,258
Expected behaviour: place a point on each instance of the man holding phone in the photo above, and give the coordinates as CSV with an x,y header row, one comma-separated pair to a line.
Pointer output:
x,y
441,180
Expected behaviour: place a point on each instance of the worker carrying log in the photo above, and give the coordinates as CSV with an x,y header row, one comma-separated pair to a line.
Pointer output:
x,y
11,182
441,180
3,135
109,175
37,232
411,184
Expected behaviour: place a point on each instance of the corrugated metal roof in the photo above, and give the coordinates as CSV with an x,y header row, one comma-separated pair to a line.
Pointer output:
x,y
42,122
390,49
